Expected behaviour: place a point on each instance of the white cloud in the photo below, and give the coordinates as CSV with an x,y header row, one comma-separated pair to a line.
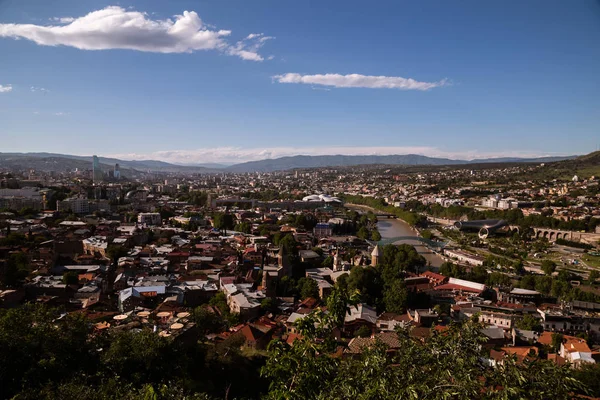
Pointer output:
x,y
63,20
5,88
117,28
247,48
359,81
238,154
61,114
39,89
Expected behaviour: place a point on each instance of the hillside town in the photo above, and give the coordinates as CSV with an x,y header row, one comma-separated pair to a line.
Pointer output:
x,y
249,255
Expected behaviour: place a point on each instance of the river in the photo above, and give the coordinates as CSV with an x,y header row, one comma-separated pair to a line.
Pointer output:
x,y
390,228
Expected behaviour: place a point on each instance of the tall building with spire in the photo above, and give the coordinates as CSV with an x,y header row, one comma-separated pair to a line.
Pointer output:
x,y
375,256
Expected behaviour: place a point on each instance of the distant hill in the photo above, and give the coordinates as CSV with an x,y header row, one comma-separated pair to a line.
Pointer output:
x,y
583,166
62,162
287,163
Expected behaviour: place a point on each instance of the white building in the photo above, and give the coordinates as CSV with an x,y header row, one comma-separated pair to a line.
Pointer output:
x,y
149,218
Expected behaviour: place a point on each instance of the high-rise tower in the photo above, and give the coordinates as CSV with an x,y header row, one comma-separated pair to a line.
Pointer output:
x,y
96,170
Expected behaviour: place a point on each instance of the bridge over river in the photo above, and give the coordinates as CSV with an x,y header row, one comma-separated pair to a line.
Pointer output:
x,y
430,243
396,231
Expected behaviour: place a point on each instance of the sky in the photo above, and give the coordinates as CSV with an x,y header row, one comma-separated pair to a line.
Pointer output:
x,y
238,80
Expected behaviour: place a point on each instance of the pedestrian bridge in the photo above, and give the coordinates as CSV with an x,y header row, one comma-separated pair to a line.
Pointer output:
x,y
429,243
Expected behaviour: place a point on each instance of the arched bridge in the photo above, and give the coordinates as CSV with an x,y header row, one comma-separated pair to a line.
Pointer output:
x,y
553,234
426,242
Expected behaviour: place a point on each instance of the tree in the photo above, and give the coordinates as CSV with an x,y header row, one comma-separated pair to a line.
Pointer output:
x,y
498,279
527,282
339,302
367,282
219,300
426,234
556,341
114,252
36,348
375,236
518,267
327,262
308,287
395,297
223,221
207,321
363,233
543,284
289,244
244,227
268,305
529,323
447,365
15,270
548,266
70,278
139,357
362,332
593,276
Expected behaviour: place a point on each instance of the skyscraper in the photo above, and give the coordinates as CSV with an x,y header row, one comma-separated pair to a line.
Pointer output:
x,y
117,172
96,170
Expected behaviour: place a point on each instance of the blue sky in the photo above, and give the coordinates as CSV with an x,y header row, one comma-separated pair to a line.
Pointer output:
x,y
460,79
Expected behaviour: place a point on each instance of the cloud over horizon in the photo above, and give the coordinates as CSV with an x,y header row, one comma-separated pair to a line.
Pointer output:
x,y
359,81
234,155
5,88
117,28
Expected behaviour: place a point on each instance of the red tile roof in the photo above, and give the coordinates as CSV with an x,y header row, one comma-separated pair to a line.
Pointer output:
x,y
452,286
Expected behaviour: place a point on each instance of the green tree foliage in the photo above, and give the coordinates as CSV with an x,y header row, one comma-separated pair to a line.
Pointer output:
x,y
411,217
447,365
15,270
363,233
207,321
367,282
593,276
245,227
339,302
308,287
268,305
223,221
375,236
13,239
70,278
548,266
557,339
426,234
287,241
36,349
397,259
114,252
363,331
327,262
589,375
395,297
46,356
529,323
140,357
498,279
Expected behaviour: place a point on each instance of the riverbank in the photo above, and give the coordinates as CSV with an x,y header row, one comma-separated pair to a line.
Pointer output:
x,y
412,231
391,228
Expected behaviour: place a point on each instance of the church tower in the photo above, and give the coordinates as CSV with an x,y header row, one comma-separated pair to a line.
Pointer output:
x,y
375,256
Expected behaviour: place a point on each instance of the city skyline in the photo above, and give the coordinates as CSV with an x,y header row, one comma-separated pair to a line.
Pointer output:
x,y
190,82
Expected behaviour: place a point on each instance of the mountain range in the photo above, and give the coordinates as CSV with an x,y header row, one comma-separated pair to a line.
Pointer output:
x,y
61,162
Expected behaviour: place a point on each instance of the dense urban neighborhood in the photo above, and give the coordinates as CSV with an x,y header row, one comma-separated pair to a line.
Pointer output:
x,y
482,280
